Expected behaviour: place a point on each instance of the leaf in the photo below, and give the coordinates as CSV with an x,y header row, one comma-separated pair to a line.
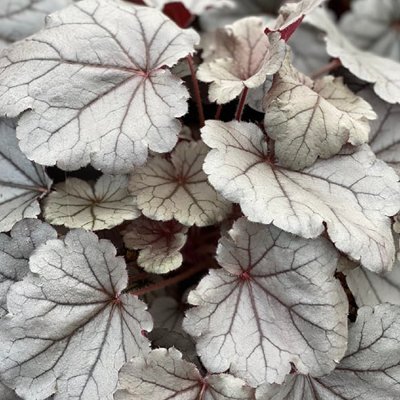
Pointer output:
x,y
310,119
71,329
373,26
95,97
385,132
196,7
21,181
369,371
243,58
382,72
164,375
15,250
178,188
274,302
159,244
79,204
22,18
371,289
291,16
350,195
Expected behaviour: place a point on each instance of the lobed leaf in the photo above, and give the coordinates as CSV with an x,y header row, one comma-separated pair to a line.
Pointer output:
x,y
382,72
274,302
159,244
310,119
243,58
70,329
21,181
351,194
178,188
79,204
95,97
15,250
369,371
164,375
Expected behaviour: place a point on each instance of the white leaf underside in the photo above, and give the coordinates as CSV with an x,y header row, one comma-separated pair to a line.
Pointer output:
x,y
371,25
310,119
385,132
159,244
21,181
165,375
244,56
21,18
178,189
382,72
95,97
274,302
351,193
291,12
369,371
103,205
15,251
70,328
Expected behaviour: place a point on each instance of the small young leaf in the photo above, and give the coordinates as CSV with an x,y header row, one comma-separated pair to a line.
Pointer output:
x,y
310,119
159,244
21,181
22,18
15,251
178,188
103,205
243,58
291,15
274,302
369,371
382,72
70,329
95,97
353,194
385,132
163,375
374,26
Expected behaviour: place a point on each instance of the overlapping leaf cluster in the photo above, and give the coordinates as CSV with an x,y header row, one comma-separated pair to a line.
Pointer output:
x,y
253,257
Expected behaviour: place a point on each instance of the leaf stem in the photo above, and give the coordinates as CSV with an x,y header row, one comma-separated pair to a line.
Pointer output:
x,y
335,63
242,103
196,89
170,281
218,112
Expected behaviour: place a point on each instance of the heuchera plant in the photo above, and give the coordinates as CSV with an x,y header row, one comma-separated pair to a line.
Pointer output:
x,y
199,200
